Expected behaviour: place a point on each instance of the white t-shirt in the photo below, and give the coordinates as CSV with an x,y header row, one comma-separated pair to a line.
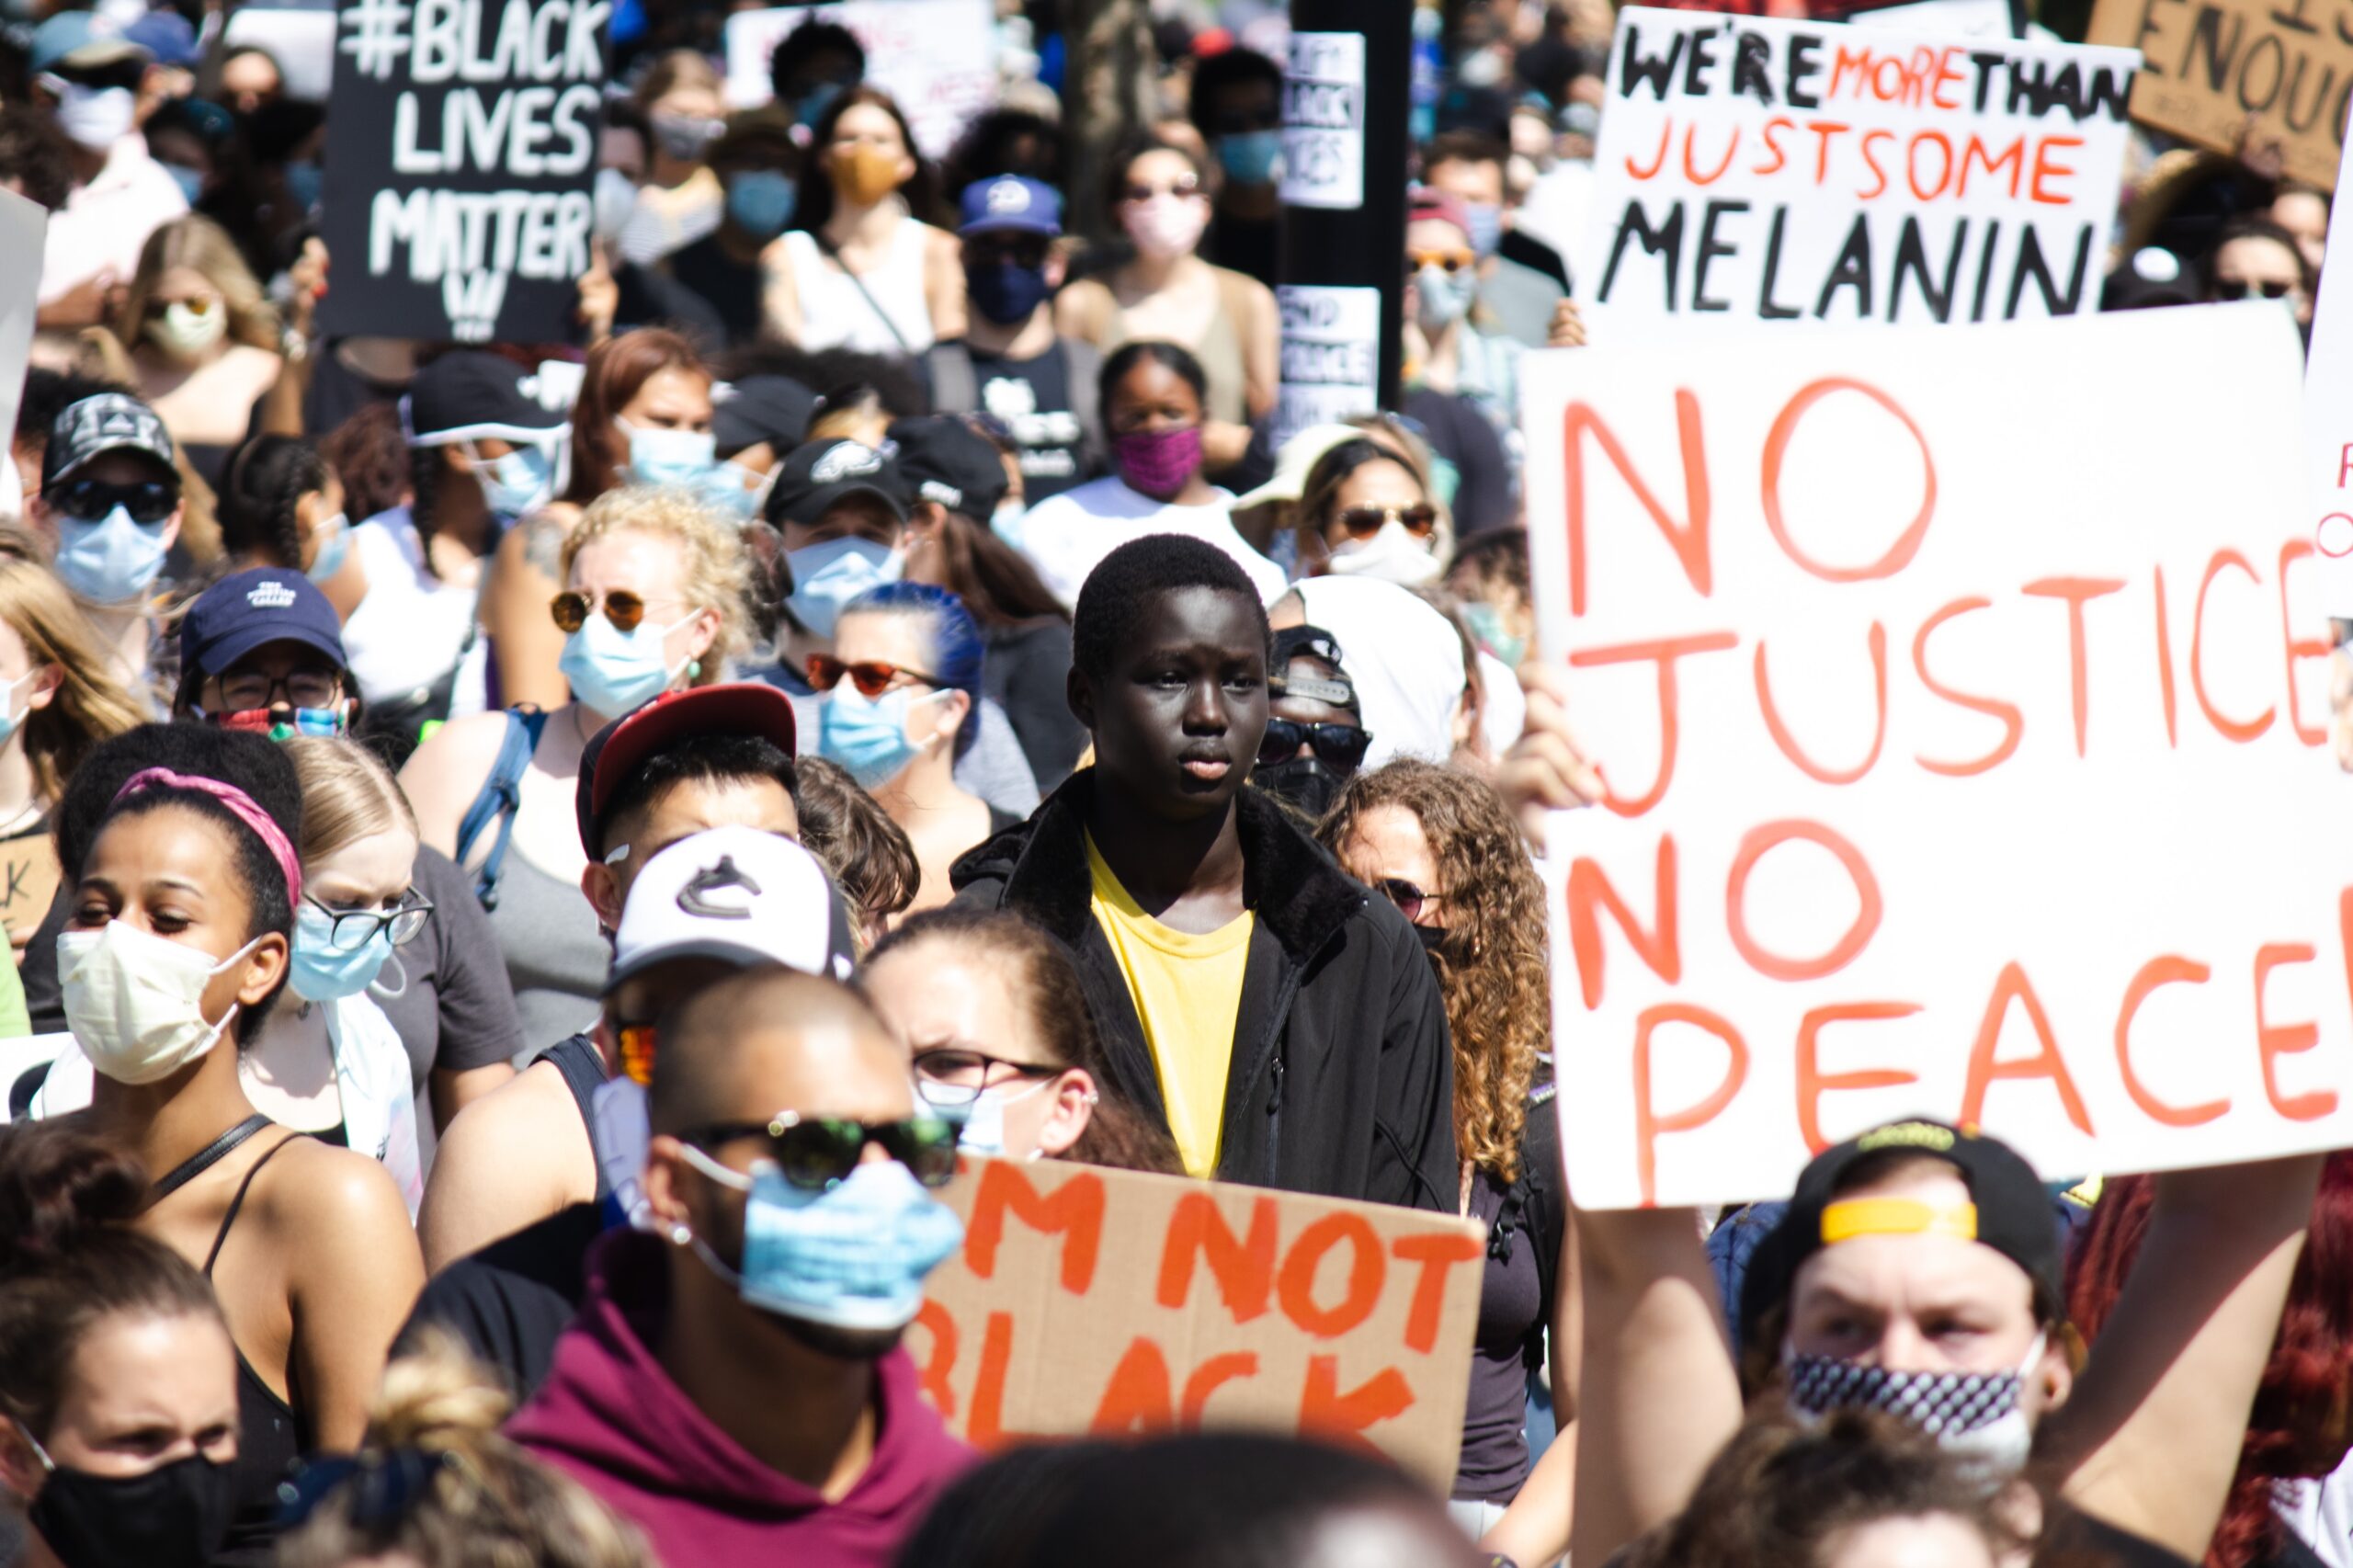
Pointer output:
x,y
412,628
1067,536
104,224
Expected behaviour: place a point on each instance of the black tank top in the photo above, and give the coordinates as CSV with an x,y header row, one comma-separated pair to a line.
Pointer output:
x,y
270,1435
583,1066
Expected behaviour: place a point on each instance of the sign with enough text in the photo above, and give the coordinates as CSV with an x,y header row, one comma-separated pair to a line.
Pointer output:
x,y
1331,356
458,165
1963,748
1760,170
936,58
2211,67
1100,1301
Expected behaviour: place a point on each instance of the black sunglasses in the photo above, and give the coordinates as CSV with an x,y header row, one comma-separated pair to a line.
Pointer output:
x,y
818,1152
1336,745
1409,899
149,501
2236,288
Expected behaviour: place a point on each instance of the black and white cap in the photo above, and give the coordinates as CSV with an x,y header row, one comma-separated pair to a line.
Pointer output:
x,y
468,395
942,458
819,476
738,895
110,422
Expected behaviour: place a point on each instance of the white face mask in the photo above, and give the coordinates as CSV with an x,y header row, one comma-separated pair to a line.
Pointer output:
x,y
184,332
95,118
983,1128
135,1001
1393,555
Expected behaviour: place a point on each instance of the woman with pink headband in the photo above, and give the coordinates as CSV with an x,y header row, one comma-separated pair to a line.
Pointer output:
x,y
178,844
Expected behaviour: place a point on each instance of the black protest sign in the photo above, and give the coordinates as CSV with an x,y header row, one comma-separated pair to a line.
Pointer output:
x,y
459,159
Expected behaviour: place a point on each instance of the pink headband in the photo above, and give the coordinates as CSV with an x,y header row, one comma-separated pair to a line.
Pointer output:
x,y
240,804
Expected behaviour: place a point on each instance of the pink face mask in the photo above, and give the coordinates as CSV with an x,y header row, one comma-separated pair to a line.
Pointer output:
x,y
1158,462
1166,225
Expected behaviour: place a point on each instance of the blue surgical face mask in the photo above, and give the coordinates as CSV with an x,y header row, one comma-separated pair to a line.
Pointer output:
x,y
1442,298
1007,520
827,576
335,548
854,1258
735,491
867,735
516,485
811,105
320,972
1486,624
12,716
1249,157
190,181
983,1128
615,672
761,201
302,184
110,561
668,457
1486,222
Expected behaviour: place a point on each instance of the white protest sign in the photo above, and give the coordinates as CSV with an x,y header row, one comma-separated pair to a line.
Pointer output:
x,y
1964,743
1751,169
24,232
2328,417
1331,356
1324,121
936,58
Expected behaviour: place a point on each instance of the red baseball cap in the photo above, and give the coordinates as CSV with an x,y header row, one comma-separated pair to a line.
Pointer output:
x,y
613,753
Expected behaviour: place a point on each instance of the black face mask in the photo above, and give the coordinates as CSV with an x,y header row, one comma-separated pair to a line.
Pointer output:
x,y
1433,937
174,1516
1305,781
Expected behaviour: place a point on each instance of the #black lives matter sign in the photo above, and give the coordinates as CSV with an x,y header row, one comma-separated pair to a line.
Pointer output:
x,y
462,149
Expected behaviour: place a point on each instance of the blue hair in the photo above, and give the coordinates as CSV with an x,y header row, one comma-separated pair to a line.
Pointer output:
x,y
957,654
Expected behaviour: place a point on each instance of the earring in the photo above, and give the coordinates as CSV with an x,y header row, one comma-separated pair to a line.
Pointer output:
x,y
680,1235
694,669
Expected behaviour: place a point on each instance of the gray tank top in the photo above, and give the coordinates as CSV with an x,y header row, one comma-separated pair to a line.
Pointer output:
x,y
555,957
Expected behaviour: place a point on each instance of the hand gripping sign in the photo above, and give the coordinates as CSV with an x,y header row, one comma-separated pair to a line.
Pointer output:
x,y
1962,725
1111,1303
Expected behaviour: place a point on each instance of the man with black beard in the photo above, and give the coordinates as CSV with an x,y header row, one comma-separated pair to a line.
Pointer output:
x,y
733,1385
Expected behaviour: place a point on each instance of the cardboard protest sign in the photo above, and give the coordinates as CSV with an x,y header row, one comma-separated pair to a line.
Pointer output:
x,y
2328,419
938,58
1093,1300
2209,66
1760,170
28,877
459,165
1963,731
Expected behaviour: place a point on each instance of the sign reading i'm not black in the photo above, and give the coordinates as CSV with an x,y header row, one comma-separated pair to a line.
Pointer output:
x,y
459,166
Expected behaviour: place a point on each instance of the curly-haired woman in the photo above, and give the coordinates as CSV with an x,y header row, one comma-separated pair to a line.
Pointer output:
x,y
1443,848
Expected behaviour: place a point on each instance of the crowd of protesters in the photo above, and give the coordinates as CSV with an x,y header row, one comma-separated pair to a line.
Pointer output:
x,y
559,848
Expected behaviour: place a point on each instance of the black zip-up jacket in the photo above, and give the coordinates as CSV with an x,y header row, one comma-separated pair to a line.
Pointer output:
x,y
1342,1079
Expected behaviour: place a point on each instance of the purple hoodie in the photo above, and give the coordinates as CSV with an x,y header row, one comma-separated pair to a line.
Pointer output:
x,y
609,1417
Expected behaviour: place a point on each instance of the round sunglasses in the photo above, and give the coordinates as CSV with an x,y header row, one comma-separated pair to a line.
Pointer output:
x,y
1363,522
1336,745
620,607
817,1153
1410,899
871,676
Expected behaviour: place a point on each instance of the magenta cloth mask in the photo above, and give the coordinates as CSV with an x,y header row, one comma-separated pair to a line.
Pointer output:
x,y
1158,462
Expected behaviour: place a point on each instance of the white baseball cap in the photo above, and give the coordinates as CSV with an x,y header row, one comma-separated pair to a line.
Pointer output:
x,y
735,893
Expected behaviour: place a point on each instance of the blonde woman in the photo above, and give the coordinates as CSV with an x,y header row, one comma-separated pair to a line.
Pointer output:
x,y
193,335
653,601
57,701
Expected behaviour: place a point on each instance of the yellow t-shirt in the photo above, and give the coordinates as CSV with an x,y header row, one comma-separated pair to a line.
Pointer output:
x,y
1188,990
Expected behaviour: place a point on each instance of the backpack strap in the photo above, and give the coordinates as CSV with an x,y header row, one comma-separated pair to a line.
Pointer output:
x,y
501,797
1083,372
955,385
1534,1205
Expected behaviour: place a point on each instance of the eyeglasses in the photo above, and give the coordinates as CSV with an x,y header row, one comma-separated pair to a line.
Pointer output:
x,y
620,607
348,930
2236,289
1363,522
1446,260
949,1077
1141,190
149,501
245,691
1410,899
384,1486
1336,745
871,676
817,1153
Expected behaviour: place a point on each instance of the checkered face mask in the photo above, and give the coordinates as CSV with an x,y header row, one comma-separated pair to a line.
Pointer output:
x,y
1978,1415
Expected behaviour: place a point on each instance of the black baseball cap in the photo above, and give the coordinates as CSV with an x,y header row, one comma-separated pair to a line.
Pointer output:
x,y
110,422
467,395
269,604
752,409
1292,641
736,707
2012,1212
818,476
942,458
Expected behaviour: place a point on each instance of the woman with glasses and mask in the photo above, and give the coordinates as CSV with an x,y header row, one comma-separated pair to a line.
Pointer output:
x,y
195,339
1366,509
1443,848
179,842
1159,192
653,600
900,696
1450,347
679,200
991,1011
858,268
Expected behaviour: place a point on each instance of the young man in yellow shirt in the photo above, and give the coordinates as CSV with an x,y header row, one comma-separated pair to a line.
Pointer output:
x,y
1281,1022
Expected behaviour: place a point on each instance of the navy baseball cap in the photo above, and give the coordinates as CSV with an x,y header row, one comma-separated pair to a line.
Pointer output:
x,y
239,613
1009,201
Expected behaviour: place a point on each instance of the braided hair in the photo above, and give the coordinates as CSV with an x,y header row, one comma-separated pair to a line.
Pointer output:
x,y
265,478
